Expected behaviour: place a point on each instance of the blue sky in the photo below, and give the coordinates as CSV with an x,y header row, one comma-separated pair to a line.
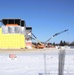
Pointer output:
x,y
46,17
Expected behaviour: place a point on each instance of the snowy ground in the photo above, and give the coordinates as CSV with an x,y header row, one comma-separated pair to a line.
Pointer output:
x,y
35,63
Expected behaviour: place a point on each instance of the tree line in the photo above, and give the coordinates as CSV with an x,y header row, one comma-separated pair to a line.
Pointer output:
x,y
64,43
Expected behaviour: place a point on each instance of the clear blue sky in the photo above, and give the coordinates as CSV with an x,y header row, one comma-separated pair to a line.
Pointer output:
x,y
46,17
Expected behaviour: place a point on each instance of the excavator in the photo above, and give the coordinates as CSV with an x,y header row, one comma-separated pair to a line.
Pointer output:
x,y
40,45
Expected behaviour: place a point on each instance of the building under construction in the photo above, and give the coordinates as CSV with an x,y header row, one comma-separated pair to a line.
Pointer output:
x,y
13,34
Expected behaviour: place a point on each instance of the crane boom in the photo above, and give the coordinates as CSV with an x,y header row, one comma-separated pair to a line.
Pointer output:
x,y
36,39
56,35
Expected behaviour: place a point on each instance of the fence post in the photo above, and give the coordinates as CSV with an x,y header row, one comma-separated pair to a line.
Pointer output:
x,y
45,63
61,62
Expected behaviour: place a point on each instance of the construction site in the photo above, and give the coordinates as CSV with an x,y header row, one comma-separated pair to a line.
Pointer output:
x,y
14,34
20,56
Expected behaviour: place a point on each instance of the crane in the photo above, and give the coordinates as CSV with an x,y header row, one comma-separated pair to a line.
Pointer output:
x,y
41,45
56,35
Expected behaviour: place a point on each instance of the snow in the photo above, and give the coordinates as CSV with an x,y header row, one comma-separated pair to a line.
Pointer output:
x,y
35,63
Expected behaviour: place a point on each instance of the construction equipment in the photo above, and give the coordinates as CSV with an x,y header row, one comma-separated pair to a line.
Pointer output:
x,y
46,42
56,35
41,45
